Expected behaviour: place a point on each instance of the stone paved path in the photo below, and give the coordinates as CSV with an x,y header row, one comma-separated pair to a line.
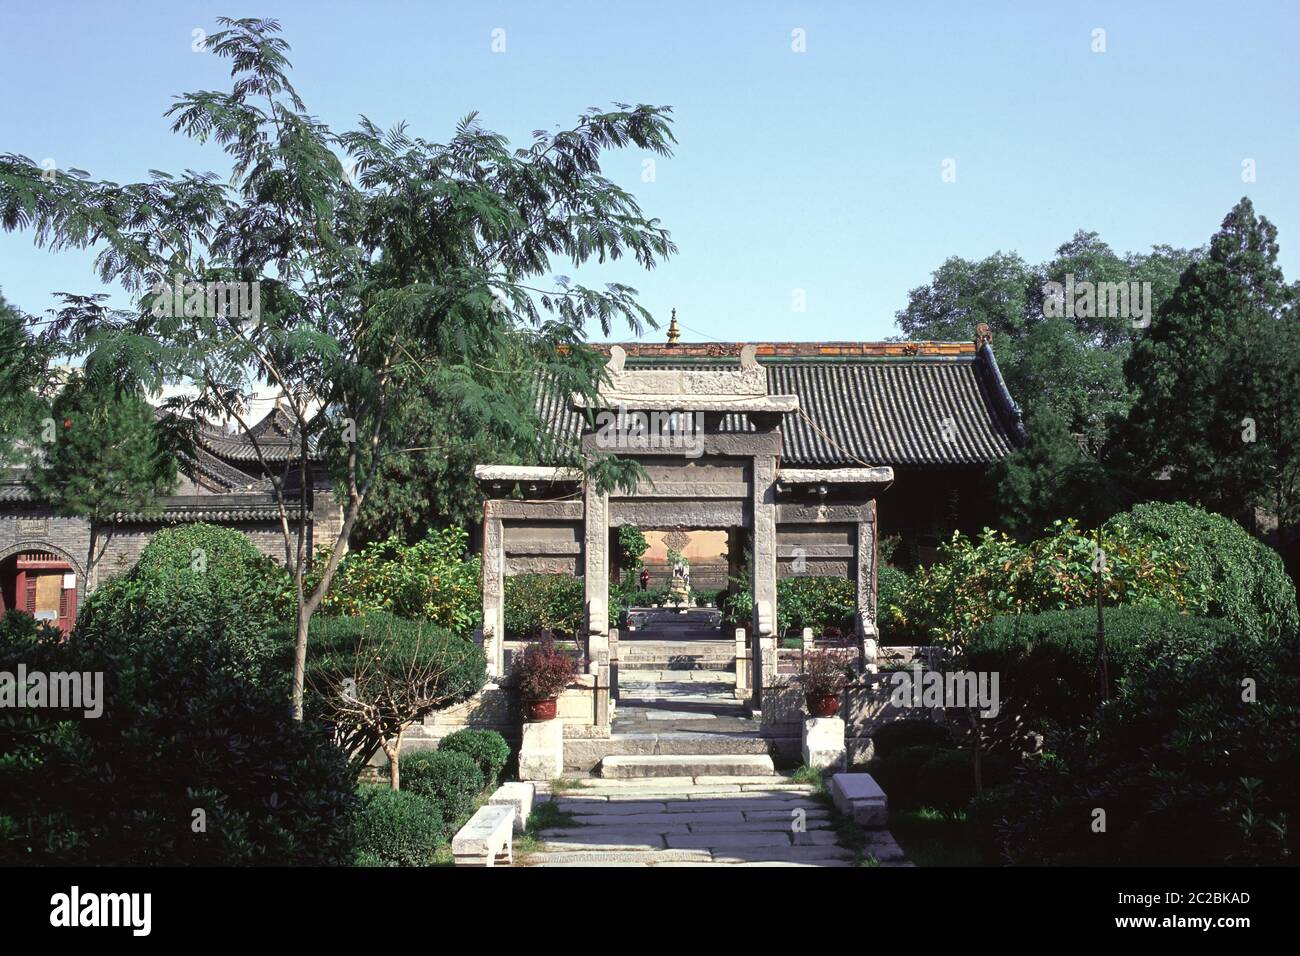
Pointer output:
x,y
698,821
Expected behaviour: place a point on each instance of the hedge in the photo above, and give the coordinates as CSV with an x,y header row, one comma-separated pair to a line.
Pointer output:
x,y
1047,663
181,731
1194,759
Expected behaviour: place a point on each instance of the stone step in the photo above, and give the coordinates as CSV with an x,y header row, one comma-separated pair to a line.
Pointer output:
x,y
687,765
667,675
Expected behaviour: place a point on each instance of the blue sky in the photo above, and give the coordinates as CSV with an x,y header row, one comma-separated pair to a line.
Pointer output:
x,y
817,171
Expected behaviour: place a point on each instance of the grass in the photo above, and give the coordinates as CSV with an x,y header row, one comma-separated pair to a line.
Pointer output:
x,y
564,784
932,837
808,775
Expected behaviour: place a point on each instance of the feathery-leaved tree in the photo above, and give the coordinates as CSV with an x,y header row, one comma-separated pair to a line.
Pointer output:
x,y
386,264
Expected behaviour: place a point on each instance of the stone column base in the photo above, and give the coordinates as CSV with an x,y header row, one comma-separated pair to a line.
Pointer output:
x,y
541,755
823,742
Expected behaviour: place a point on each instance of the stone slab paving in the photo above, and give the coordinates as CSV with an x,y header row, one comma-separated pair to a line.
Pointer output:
x,y
683,822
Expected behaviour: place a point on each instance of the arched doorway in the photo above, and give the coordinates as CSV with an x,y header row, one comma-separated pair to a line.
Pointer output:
x,y
41,581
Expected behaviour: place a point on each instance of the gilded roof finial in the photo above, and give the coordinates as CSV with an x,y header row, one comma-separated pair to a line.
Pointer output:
x,y
674,333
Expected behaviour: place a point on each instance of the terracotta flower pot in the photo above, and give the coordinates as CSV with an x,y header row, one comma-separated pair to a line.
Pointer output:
x,y
823,705
540,709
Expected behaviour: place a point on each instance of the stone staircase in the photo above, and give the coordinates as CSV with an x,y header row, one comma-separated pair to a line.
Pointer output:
x,y
698,821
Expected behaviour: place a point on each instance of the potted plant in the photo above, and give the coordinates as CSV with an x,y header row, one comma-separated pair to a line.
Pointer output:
x,y
541,673
824,678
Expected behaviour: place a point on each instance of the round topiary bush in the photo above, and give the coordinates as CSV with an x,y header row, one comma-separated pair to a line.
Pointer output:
x,y
397,828
487,747
447,778
1237,577
197,580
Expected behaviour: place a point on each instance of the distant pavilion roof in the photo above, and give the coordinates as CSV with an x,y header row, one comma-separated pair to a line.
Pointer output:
x,y
860,403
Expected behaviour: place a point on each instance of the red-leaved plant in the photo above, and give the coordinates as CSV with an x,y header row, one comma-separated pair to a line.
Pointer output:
x,y
543,670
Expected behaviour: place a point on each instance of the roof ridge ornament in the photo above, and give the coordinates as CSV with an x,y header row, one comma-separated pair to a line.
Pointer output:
x,y
983,335
674,333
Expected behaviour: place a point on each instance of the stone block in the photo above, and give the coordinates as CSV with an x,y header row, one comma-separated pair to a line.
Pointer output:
x,y
541,755
859,797
485,839
516,794
823,742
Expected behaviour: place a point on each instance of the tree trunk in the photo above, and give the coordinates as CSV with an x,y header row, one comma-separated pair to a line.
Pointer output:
x,y
1103,677
300,659
393,752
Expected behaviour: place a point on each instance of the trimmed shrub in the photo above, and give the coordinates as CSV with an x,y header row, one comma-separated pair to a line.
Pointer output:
x,y
540,603
198,581
1047,663
1192,769
180,730
397,828
487,747
1236,576
909,732
407,669
448,779
431,580
822,603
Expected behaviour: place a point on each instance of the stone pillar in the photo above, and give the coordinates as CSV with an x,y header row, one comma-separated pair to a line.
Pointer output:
x,y
866,562
808,642
492,634
613,663
600,694
764,622
823,743
541,754
595,549
742,665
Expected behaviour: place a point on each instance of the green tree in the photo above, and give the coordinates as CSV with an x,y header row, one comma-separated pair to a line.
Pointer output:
x,y
385,264
23,368
1217,379
1066,371
108,456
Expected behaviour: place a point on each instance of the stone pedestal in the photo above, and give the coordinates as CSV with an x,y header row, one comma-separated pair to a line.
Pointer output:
x,y
541,755
823,742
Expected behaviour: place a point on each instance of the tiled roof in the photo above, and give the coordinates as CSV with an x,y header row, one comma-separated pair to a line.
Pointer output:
x,y
276,435
861,403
